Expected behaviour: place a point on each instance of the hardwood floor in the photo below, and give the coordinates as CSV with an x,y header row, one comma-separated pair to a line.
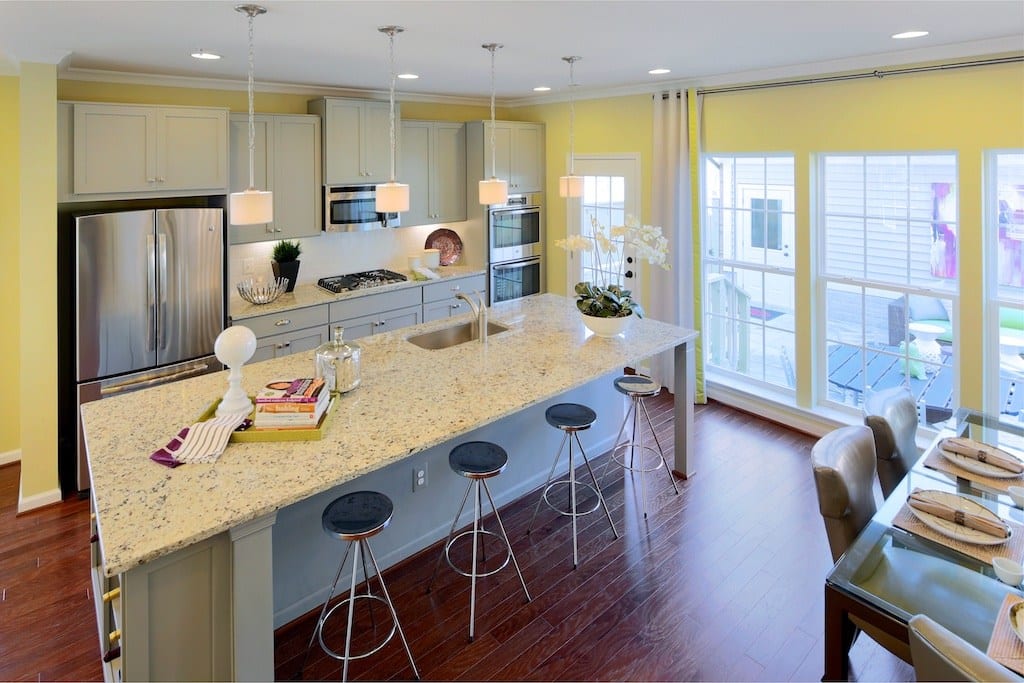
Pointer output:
x,y
722,582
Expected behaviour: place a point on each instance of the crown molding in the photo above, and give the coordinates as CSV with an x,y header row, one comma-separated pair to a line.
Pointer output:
x,y
163,80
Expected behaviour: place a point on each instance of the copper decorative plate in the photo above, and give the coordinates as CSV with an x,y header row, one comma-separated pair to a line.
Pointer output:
x,y
447,242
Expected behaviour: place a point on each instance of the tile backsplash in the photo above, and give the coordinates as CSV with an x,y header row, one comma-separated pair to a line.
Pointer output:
x,y
337,253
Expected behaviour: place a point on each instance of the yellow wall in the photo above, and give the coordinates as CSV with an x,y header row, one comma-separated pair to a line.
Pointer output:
x,y
38,249
10,308
966,111
605,126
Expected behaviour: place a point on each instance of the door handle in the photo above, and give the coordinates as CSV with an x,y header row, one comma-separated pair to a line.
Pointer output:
x,y
152,381
150,292
629,273
162,284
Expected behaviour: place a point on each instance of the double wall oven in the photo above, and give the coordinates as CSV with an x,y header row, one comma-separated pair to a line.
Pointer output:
x,y
516,242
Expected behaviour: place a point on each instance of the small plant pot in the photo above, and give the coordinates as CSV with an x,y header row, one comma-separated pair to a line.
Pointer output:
x,y
288,269
607,327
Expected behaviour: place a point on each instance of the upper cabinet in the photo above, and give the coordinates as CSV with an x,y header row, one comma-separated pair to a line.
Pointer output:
x,y
518,153
433,163
356,140
286,161
128,149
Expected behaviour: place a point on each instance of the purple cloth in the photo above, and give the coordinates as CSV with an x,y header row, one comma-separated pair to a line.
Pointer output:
x,y
165,455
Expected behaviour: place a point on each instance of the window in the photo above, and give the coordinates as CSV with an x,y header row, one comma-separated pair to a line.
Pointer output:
x,y
888,277
748,233
1005,285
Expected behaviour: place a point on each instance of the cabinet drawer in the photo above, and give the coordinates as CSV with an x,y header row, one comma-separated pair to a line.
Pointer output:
x,y
374,304
439,291
285,321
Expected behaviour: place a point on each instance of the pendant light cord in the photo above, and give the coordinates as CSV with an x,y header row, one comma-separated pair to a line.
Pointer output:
x,y
572,117
252,124
391,61
493,47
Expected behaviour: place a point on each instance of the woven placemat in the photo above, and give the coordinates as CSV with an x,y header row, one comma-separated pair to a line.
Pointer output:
x,y
1013,548
1004,646
935,461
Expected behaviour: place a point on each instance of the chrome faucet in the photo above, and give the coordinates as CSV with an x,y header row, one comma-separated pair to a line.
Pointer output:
x,y
479,309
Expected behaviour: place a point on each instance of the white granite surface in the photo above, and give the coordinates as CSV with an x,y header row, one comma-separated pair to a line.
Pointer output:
x,y
312,295
410,399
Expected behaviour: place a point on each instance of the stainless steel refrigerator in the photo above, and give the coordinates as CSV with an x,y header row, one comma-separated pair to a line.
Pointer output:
x,y
149,301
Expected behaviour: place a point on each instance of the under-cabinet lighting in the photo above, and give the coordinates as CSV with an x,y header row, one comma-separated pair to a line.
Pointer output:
x,y
203,54
541,88
909,34
408,77
659,72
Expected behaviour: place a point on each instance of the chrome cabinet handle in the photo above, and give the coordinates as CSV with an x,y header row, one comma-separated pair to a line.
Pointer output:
x,y
161,179
283,345
282,322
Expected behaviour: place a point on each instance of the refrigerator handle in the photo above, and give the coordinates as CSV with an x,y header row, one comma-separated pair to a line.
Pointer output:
x,y
150,292
113,390
162,326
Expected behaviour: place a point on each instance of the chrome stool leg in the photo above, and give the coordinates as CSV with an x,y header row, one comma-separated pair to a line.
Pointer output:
x,y
661,451
394,614
551,473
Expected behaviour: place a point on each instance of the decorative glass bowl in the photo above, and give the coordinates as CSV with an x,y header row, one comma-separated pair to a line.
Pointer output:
x,y
263,292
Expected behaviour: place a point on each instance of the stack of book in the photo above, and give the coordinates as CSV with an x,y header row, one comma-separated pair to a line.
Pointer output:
x,y
291,404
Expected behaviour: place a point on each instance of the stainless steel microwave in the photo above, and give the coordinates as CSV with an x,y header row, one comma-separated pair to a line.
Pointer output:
x,y
351,208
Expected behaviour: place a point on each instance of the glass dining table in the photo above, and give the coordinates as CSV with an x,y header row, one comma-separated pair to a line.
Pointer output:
x,y
889,574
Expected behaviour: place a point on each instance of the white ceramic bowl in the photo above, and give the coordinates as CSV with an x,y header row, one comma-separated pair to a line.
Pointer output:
x,y
1017,494
1008,571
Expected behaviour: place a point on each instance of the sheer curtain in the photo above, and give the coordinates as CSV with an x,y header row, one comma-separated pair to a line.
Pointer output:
x,y
671,292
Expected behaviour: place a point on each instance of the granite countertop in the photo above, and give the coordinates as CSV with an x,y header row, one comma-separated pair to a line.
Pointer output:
x,y
312,295
410,399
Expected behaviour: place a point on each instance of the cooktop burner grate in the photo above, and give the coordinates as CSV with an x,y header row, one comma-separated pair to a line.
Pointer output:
x,y
362,280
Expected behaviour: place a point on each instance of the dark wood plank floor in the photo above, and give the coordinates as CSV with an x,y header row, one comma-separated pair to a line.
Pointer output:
x,y
722,582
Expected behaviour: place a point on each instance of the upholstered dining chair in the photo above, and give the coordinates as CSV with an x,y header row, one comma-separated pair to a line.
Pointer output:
x,y
941,655
844,473
892,416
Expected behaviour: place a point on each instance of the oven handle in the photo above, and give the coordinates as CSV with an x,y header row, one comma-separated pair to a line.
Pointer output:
x,y
509,265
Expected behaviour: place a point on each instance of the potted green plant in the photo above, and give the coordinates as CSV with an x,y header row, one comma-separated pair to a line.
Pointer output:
x,y
607,309
286,261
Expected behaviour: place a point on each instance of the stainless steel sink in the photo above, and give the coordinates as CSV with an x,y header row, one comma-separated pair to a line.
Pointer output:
x,y
453,336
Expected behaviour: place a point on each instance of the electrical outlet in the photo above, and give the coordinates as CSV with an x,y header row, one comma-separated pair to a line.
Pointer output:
x,y
249,266
419,477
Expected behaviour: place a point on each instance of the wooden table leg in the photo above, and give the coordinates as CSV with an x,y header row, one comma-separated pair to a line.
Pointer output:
x,y
839,633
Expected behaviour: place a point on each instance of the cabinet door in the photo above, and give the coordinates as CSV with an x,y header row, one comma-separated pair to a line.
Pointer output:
x,y
502,152
192,146
414,169
342,132
296,177
376,141
279,345
263,160
444,309
528,159
115,149
449,172
403,317
362,326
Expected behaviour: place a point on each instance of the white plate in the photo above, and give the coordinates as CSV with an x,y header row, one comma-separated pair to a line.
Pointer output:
x,y
978,467
953,530
1017,619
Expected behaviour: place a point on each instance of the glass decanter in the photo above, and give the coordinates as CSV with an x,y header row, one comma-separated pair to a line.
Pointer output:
x,y
337,361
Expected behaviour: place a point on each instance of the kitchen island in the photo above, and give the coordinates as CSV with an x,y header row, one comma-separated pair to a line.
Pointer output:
x,y
206,531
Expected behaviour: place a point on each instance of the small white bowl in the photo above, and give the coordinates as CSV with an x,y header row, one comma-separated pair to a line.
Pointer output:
x,y
1008,571
1017,494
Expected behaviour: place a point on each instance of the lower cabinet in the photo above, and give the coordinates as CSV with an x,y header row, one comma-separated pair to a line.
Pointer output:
x,y
298,341
440,299
376,313
282,334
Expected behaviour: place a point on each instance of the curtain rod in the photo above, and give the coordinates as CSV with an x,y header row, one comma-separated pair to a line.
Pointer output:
x,y
867,74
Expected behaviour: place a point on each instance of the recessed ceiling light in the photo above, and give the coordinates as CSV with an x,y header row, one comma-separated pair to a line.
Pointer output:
x,y
909,34
203,54
659,72
408,77
541,88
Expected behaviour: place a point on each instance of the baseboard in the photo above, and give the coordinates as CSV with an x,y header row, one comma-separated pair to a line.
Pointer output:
x,y
8,457
38,500
815,423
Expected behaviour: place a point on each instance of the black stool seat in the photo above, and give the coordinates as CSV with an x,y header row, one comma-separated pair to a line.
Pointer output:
x,y
637,385
570,416
358,515
478,459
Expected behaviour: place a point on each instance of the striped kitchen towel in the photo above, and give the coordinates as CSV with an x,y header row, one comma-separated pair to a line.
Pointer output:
x,y
203,442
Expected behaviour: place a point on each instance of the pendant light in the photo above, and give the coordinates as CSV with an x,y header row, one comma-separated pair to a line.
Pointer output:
x,y
571,185
252,206
392,196
493,191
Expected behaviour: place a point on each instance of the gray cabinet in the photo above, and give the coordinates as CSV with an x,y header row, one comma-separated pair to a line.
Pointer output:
x,y
356,140
286,162
433,163
288,332
518,153
440,299
134,150
375,313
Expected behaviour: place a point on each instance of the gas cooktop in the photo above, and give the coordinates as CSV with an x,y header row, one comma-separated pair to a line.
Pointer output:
x,y
364,280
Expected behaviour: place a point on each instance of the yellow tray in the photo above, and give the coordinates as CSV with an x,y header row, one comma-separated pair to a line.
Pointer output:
x,y
257,435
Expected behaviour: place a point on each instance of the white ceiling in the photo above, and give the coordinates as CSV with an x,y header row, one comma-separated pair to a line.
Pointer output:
x,y
327,45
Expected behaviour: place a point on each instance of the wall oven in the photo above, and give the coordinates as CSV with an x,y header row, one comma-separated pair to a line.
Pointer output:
x,y
516,229
351,208
516,279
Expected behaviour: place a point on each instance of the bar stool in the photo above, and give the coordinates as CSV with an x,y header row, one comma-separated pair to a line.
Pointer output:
x,y
571,418
356,517
639,387
478,461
